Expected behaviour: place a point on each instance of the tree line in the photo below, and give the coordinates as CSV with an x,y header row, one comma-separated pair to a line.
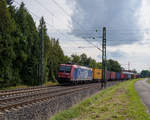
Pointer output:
x,y
83,60
145,73
20,48
21,44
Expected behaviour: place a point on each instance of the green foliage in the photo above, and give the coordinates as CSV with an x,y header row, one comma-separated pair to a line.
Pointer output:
x,y
113,65
53,54
20,53
148,80
7,54
27,46
9,2
84,61
145,73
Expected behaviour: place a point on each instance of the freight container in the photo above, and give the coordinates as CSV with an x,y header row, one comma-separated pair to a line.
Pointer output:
x,y
112,75
97,74
134,76
126,76
122,76
129,76
107,75
118,75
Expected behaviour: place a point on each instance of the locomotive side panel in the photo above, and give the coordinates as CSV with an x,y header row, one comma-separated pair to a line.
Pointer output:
x,y
82,74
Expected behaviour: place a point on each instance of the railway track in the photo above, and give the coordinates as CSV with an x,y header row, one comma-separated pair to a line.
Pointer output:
x,y
11,101
4,93
23,97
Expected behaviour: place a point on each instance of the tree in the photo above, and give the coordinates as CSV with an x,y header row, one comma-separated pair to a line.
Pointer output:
x,y
67,59
75,59
113,65
9,2
134,70
83,59
145,73
7,55
27,48
20,53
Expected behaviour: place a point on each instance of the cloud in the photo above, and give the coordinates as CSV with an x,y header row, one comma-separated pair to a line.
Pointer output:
x,y
117,54
119,16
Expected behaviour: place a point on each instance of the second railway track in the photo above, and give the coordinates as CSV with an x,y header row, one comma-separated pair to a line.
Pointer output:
x,y
8,102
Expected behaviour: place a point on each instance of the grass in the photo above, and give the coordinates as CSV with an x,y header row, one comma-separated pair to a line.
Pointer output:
x,y
120,102
51,83
25,86
148,80
14,87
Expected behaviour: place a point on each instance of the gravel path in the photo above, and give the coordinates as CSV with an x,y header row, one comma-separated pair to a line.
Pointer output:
x,y
143,88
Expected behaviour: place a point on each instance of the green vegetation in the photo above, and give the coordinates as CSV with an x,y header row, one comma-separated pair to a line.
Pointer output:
x,y
112,65
85,61
148,80
50,83
20,48
145,73
14,87
120,102
25,86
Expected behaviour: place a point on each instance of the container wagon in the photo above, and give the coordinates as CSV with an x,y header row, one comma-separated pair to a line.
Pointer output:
x,y
97,75
118,75
107,75
112,75
122,76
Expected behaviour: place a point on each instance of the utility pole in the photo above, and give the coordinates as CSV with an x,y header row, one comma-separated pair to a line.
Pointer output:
x,y
128,66
42,56
104,81
41,67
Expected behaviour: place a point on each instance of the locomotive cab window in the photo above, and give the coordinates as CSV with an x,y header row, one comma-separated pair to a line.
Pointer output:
x,y
66,69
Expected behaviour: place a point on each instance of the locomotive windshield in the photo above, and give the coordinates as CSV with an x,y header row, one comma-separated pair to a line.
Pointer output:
x,y
66,69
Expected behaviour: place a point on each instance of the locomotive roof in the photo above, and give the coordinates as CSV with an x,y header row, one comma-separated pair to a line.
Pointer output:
x,y
76,66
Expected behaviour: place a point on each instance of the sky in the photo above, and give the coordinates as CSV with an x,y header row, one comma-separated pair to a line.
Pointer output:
x,y
76,22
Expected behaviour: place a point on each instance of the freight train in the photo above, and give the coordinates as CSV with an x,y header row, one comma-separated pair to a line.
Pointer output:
x,y
69,73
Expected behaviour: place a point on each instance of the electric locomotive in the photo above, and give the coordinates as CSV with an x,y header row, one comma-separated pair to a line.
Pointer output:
x,y
69,73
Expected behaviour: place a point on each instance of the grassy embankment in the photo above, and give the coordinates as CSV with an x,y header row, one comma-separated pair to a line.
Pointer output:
x,y
120,102
148,80
25,86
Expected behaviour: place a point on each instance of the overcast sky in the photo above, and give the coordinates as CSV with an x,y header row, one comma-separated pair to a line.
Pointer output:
x,y
74,22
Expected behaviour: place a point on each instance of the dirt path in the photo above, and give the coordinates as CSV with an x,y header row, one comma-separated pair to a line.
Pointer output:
x,y
143,88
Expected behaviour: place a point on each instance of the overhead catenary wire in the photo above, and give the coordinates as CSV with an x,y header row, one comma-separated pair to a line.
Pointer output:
x,y
125,40
49,25
51,14
76,23
97,29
